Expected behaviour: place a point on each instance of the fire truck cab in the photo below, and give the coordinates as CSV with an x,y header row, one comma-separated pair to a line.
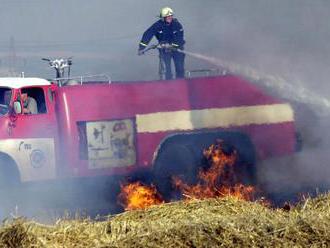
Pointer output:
x,y
27,139
118,128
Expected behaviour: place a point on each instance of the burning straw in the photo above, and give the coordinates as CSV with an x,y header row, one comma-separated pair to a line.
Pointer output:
x,y
138,196
218,180
225,222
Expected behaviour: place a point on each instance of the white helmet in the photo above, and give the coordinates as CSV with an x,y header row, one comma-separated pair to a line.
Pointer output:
x,y
166,11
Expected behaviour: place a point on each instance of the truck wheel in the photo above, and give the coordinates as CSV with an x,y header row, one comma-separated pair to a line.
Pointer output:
x,y
175,160
243,168
9,186
9,175
245,165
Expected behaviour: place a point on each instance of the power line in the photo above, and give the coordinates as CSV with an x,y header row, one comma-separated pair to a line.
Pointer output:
x,y
51,44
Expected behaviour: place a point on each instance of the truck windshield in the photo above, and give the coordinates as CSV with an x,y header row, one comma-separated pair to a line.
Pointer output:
x,y
5,96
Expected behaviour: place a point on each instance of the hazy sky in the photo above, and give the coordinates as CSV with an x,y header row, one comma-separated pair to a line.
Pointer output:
x,y
289,38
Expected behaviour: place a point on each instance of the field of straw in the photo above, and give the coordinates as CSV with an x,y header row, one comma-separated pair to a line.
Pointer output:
x,y
226,222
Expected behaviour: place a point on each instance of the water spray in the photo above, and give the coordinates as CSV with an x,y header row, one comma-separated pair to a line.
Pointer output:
x,y
320,104
282,87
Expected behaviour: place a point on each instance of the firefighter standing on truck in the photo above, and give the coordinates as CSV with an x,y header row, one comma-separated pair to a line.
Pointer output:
x,y
169,31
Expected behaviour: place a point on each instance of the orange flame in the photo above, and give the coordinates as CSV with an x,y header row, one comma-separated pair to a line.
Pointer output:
x,y
219,180
138,196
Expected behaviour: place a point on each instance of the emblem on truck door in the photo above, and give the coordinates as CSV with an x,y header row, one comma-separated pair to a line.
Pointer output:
x,y
37,158
110,143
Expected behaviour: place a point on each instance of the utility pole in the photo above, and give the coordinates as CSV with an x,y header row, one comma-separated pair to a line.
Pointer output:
x,y
12,57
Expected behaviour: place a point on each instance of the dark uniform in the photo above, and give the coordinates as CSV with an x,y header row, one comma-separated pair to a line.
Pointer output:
x,y
171,33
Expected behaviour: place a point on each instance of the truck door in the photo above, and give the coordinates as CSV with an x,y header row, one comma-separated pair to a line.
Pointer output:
x,y
34,133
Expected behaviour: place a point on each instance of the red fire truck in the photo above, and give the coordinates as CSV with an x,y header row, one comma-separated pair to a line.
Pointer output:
x,y
119,128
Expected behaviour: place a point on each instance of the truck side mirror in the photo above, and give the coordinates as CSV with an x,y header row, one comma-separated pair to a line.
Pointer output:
x,y
17,107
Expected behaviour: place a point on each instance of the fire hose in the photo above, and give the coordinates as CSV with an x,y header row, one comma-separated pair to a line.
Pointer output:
x,y
161,46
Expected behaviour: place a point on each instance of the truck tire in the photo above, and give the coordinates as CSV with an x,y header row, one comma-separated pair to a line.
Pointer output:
x,y
175,160
9,174
245,165
9,185
182,156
